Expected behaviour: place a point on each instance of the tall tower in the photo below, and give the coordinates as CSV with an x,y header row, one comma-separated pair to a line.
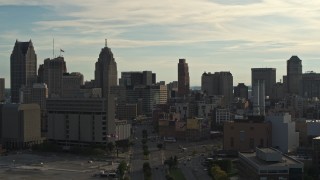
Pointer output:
x,y
23,68
53,69
294,75
259,98
183,78
266,74
106,74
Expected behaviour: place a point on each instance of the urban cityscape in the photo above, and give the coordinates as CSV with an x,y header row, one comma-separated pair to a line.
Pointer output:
x,y
115,117
269,130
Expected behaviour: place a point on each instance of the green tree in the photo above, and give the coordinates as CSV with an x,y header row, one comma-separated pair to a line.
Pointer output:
x,y
122,167
225,165
218,174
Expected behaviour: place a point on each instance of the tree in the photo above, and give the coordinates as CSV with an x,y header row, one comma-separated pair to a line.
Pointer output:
x,y
218,174
122,168
225,165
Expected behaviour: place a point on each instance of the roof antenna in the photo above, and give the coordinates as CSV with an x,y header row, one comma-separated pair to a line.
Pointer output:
x,y
106,43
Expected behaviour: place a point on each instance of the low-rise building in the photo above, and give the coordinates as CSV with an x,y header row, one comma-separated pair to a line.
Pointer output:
x,y
246,136
269,163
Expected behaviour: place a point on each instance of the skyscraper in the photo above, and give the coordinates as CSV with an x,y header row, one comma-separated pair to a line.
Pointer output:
x,y
183,78
2,89
294,75
23,68
106,74
219,83
266,74
53,69
241,90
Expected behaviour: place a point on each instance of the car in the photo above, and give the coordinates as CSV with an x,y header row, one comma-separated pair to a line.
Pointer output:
x,y
189,159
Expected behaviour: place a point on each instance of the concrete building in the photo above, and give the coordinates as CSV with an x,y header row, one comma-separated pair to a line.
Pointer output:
x,y
316,153
219,83
123,130
23,68
20,125
268,164
310,85
266,74
39,94
125,111
135,78
221,115
294,75
2,90
246,136
284,135
259,98
71,83
278,91
172,89
183,78
53,70
106,74
241,91
81,121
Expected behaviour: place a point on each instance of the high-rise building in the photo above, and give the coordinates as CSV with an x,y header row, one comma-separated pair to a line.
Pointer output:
x,y
23,67
310,86
135,78
259,98
219,83
53,69
71,83
266,74
294,75
241,91
106,74
183,78
2,88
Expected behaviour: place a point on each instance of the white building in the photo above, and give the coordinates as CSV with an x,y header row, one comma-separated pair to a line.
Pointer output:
x,y
284,135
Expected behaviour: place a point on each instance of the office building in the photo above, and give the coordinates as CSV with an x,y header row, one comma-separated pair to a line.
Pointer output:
x,y
23,68
2,90
106,74
81,121
71,83
268,75
125,111
269,163
53,70
219,83
259,98
316,153
246,136
135,78
310,85
39,94
183,78
172,89
284,135
20,125
294,75
241,91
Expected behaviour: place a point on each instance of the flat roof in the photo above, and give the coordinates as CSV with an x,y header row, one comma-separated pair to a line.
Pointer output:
x,y
259,163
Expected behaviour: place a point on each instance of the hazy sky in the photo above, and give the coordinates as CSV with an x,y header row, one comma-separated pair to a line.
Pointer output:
x,y
213,35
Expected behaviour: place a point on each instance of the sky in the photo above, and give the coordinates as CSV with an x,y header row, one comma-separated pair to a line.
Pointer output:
x,y
212,35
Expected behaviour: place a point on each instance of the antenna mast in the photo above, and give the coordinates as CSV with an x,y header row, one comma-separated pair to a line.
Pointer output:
x,y
105,43
53,48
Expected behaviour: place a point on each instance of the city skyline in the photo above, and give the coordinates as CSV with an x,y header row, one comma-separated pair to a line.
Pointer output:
x,y
212,36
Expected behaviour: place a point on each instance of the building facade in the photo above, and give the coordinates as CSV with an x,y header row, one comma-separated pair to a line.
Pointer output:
x,y
53,70
23,68
268,75
246,136
2,90
294,75
106,74
310,85
241,91
20,125
81,121
183,78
